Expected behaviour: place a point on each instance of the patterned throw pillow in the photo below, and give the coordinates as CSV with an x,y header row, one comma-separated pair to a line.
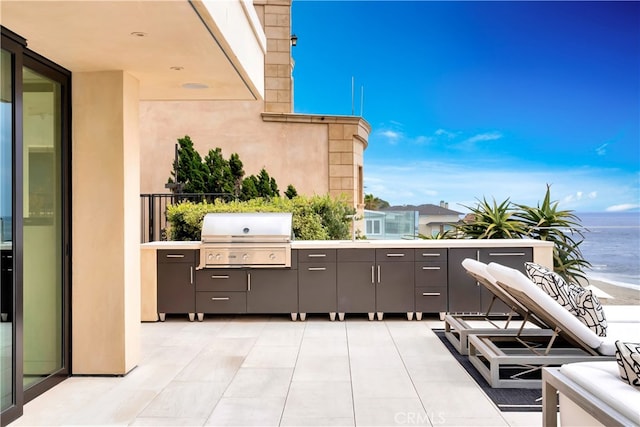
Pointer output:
x,y
588,309
628,358
580,302
550,282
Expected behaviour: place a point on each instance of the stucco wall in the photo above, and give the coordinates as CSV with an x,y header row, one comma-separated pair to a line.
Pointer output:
x,y
292,153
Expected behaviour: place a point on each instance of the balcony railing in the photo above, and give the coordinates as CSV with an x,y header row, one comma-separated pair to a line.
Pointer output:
x,y
153,211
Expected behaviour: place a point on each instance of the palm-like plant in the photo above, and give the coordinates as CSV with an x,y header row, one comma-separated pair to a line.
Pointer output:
x,y
492,221
547,222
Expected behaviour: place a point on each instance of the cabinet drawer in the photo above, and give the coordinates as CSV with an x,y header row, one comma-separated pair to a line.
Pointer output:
x,y
436,255
431,274
356,255
431,300
394,255
178,255
221,280
221,302
320,255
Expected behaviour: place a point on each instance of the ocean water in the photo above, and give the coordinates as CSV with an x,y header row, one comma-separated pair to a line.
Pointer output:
x,y
612,246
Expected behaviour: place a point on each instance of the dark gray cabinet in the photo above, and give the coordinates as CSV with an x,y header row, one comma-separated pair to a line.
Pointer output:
x,y
176,282
431,281
273,291
221,290
317,282
6,277
465,294
356,279
395,281
375,281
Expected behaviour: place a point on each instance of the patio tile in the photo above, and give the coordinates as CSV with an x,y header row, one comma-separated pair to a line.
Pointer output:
x,y
260,382
185,399
324,399
247,411
382,383
456,399
390,411
322,368
265,356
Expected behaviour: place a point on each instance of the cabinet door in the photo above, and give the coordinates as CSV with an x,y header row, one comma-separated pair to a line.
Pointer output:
x,y
395,288
176,290
356,287
464,291
317,287
272,291
510,257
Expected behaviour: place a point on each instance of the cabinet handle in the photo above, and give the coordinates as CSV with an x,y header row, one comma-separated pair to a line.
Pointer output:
x,y
395,255
506,254
175,255
431,268
430,255
248,282
431,294
191,275
220,299
220,277
316,268
373,279
317,255
378,273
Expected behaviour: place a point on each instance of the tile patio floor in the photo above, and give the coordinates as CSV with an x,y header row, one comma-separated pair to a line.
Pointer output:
x,y
270,371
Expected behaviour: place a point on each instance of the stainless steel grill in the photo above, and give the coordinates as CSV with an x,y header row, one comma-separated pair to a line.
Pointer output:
x,y
246,240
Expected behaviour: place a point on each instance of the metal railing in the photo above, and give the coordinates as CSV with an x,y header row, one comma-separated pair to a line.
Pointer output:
x,y
153,211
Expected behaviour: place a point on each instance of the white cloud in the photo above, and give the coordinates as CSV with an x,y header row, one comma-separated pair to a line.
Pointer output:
x,y
602,150
442,132
391,136
623,207
483,137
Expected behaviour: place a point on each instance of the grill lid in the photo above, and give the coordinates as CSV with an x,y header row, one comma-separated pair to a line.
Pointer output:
x,y
247,227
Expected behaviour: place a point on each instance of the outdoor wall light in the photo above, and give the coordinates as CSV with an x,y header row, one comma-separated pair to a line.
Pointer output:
x,y
294,40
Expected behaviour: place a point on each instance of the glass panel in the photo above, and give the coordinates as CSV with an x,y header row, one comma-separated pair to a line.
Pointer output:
x,y
6,246
42,257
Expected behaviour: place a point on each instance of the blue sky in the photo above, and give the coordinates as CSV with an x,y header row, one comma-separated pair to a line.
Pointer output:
x,y
481,99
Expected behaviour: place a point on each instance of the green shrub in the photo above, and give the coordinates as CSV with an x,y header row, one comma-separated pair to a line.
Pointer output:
x,y
314,218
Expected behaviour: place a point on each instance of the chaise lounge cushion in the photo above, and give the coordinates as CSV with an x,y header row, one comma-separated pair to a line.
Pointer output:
x,y
601,379
628,358
512,278
580,302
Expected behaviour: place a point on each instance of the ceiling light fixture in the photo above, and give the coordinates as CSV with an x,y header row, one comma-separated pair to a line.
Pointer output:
x,y
139,34
176,68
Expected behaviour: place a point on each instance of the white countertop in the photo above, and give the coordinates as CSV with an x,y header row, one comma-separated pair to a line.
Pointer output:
x,y
393,244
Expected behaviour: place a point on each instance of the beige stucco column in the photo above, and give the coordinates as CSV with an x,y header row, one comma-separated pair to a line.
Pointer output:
x,y
106,223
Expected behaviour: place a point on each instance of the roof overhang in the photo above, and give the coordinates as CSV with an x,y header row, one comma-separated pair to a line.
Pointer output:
x,y
177,49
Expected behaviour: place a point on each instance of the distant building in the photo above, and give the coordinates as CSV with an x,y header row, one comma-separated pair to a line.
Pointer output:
x,y
432,219
390,225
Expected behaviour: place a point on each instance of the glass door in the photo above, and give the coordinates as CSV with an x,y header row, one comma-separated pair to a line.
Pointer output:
x,y
42,257
7,351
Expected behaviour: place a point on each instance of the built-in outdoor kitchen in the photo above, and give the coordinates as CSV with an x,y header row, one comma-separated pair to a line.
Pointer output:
x,y
249,263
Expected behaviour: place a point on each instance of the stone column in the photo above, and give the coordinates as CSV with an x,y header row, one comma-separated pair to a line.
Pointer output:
x,y
106,223
278,63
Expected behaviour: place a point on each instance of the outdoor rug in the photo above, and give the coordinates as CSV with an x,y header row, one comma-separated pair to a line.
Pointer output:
x,y
506,399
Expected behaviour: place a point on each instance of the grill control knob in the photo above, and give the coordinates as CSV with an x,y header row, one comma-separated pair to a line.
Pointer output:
x,y
272,256
245,257
210,257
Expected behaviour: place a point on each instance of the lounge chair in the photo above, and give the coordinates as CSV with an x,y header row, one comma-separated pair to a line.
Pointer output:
x,y
458,327
516,360
589,393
